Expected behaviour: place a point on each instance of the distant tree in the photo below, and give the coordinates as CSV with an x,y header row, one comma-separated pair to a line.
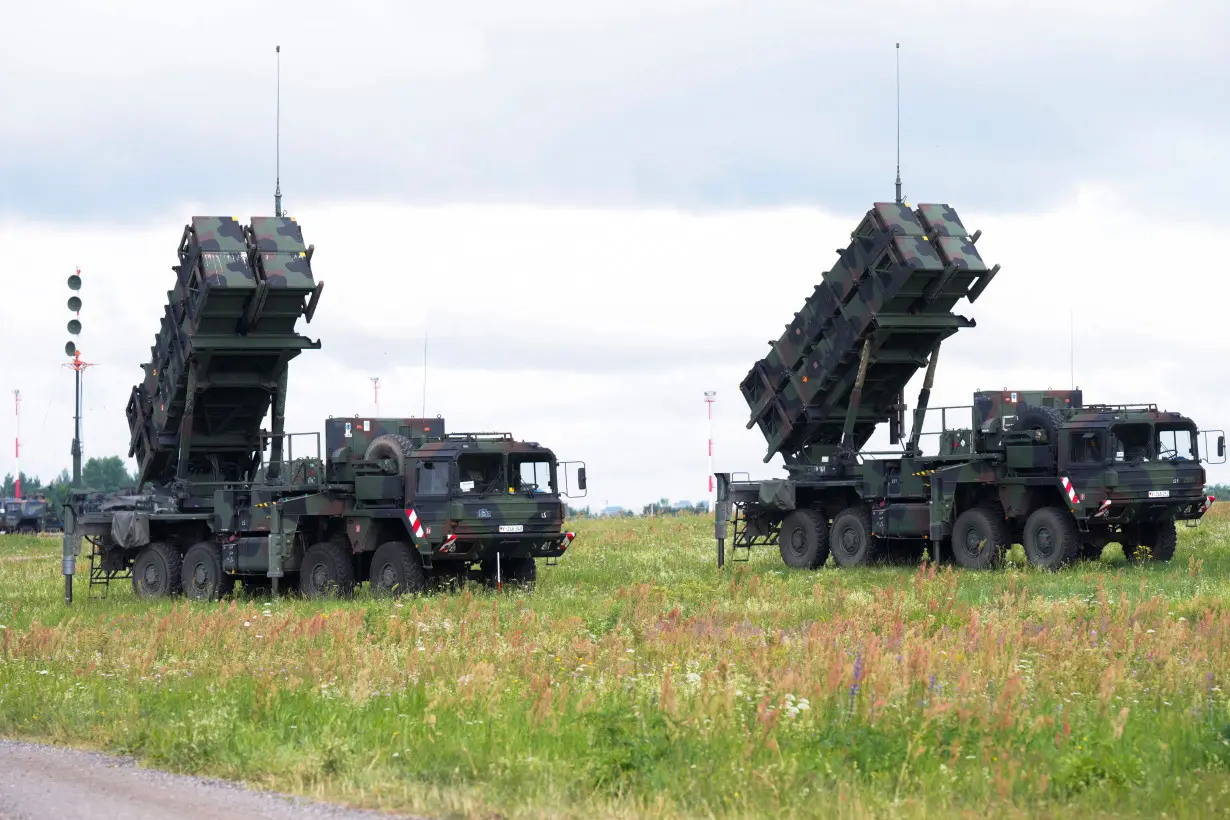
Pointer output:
x,y
30,486
57,491
106,475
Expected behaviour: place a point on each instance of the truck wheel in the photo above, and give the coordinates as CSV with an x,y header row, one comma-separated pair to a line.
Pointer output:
x,y
979,538
1051,538
202,576
804,540
1158,548
850,538
326,569
396,570
156,571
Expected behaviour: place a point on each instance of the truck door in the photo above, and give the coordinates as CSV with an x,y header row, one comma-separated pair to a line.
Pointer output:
x,y
1083,459
430,497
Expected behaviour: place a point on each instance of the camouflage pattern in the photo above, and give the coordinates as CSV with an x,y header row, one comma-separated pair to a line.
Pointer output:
x,y
355,434
219,491
24,515
895,285
1036,467
282,258
993,407
221,251
198,409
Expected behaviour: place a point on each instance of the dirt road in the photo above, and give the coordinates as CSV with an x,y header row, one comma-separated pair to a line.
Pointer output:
x,y
44,781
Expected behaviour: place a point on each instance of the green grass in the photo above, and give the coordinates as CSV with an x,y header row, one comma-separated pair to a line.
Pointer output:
x,y
639,680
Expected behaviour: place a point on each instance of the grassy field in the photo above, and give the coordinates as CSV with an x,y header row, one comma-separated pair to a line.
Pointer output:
x,y
639,680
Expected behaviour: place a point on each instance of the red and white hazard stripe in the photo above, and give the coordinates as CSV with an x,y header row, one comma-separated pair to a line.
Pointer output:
x,y
1102,510
1208,502
415,526
1071,491
450,543
568,536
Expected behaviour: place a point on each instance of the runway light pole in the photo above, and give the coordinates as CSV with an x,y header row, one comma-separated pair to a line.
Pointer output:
x,y
710,397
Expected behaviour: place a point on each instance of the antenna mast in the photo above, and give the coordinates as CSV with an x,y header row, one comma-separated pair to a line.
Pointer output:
x,y
17,439
1072,346
899,123
277,191
424,373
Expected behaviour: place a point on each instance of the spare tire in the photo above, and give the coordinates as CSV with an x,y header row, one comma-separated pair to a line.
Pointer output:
x,y
1040,418
390,445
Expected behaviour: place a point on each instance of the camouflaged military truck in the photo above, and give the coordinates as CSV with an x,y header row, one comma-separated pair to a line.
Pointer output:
x,y
398,502
25,516
1038,468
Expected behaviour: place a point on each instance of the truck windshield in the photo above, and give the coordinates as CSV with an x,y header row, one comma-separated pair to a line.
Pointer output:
x,y
1176,442
531,474
1132,441
481,473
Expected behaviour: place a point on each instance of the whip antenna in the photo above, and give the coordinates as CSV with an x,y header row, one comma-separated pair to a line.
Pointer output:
x,y
898,123
277,192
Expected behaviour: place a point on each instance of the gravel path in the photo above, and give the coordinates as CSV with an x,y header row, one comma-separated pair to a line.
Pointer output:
x,y
39,781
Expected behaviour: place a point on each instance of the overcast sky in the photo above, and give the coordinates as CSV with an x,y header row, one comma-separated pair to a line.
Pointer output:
x,y
598,211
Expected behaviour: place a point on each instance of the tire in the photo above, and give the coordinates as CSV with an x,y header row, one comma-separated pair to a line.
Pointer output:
x,y
850,539
327,569
202,578
156,571
396,570
1051,539
1160,547
391,446
804,539
1040,417
980,538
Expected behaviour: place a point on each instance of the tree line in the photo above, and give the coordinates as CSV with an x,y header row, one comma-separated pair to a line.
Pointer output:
x,y
100,474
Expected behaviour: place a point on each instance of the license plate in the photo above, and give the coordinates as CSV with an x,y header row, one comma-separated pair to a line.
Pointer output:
x,y
512,528
1159,493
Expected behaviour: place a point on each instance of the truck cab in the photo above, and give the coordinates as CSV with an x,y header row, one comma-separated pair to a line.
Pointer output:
x,y
475,493
1134,464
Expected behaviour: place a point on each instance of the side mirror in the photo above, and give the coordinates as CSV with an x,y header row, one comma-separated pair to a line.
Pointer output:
x,y
581,473
1221,446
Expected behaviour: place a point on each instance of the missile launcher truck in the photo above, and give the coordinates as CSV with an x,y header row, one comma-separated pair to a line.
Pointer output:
x,y
1036,467
400,502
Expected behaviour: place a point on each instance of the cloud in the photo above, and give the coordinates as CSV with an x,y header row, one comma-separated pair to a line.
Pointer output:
x,y
128,110
596,332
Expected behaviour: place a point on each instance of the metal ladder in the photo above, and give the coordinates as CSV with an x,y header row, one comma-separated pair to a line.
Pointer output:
x,y
100,577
